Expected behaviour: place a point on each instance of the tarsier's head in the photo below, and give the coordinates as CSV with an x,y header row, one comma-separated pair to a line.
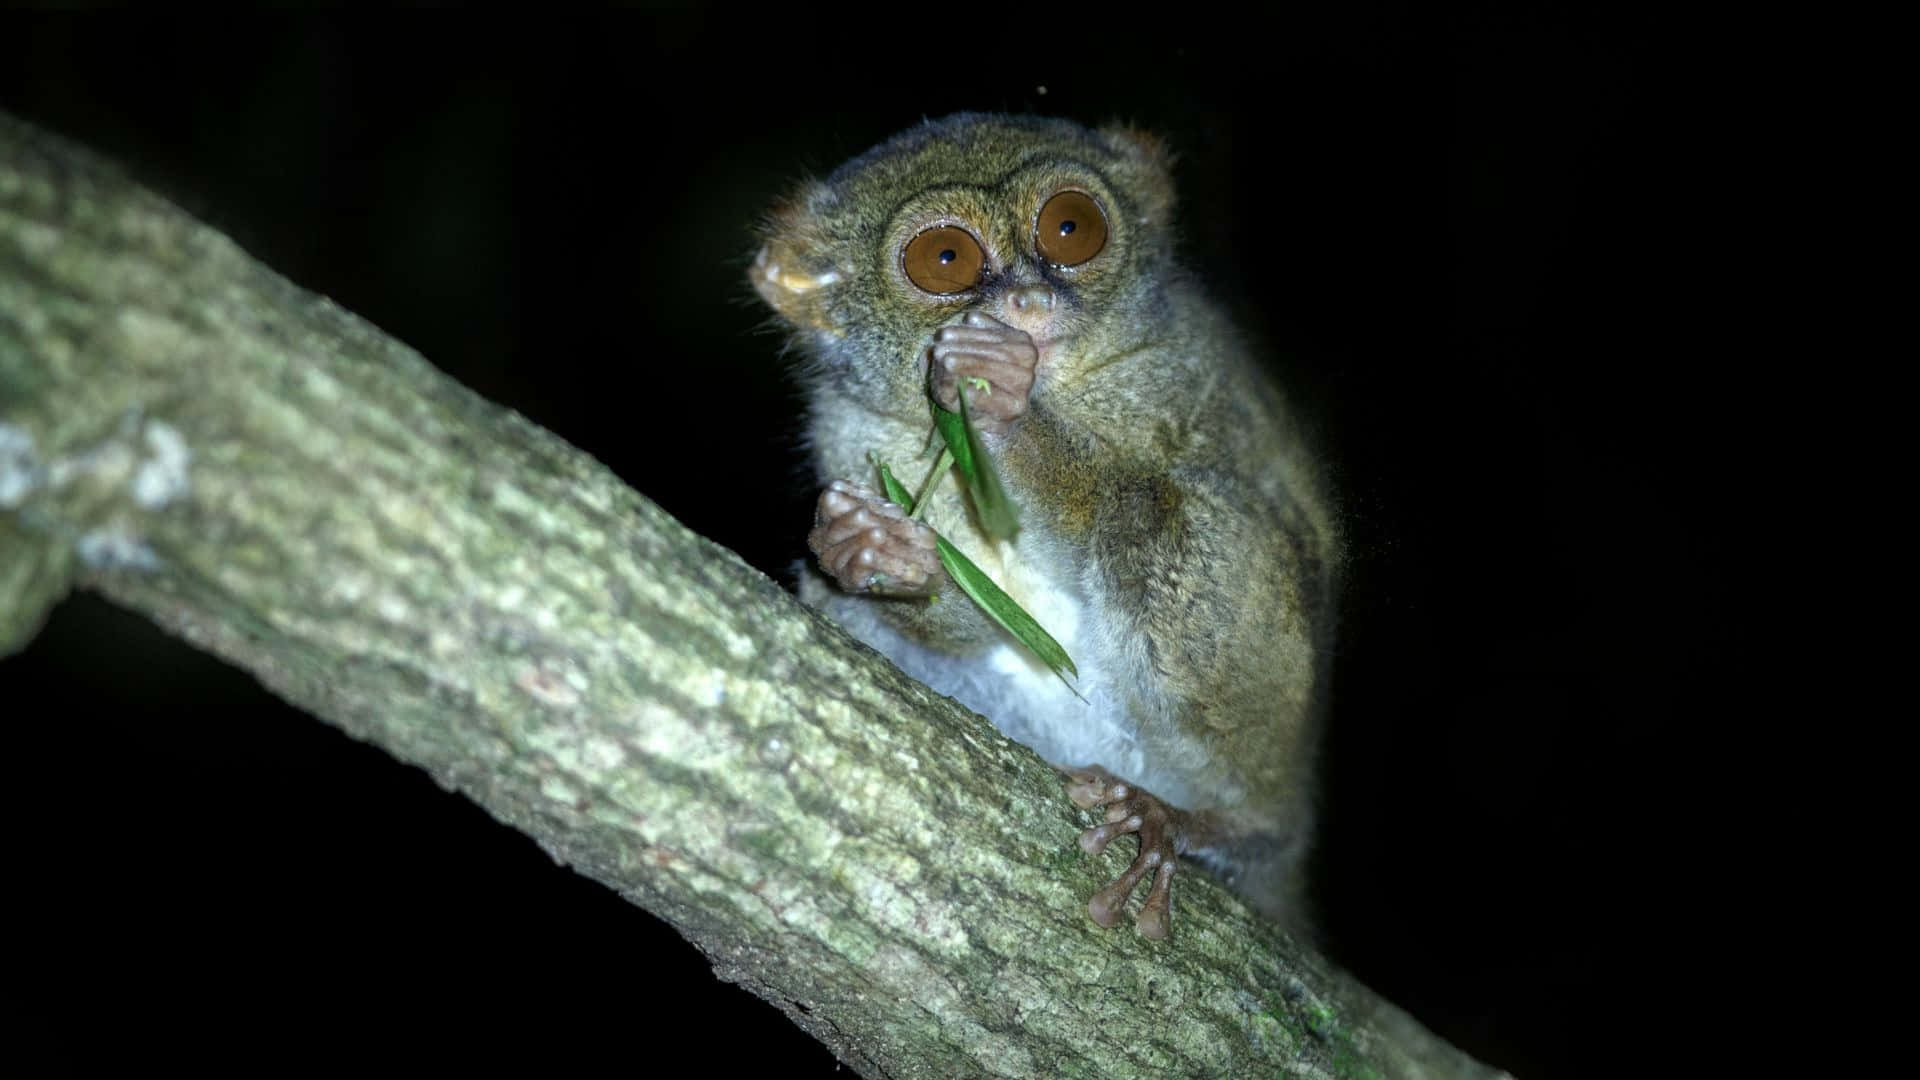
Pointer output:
x,y
1047,226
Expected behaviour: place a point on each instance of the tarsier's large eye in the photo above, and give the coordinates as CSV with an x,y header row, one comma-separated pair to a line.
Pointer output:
x,y
945,260
1072,229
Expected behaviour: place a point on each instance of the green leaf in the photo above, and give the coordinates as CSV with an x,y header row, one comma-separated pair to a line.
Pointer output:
x,y
973,581
953,428
895,489
999,517
1001,609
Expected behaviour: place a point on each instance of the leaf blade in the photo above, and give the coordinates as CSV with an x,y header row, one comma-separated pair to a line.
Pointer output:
x,y
999,516
953,430
1002,609
992,599
895,489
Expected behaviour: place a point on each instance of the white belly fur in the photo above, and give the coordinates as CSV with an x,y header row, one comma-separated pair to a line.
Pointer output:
x,y
1010,687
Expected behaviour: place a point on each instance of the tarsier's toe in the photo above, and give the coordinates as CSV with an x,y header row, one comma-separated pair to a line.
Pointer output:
x,y
1084,796
1089,787
1156,917
1108,905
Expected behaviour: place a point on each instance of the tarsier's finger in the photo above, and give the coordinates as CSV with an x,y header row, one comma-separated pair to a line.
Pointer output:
x,y
999,407
839,558
842,496
1003,373
899,568
836,501
870,514
998,337
873,567
1024,357
1005,382
851,523
952,358
1011,380
982,319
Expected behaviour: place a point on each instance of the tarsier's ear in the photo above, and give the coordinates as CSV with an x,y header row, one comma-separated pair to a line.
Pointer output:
x,y
795,271
1150,169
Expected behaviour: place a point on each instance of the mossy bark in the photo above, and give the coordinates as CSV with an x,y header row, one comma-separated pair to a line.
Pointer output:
x,y
281,484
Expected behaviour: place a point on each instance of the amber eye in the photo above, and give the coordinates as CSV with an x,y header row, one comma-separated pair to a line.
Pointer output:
x,y
1072,229
945,260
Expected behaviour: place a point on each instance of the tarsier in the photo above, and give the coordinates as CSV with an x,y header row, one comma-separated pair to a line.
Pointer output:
x,y
1176,537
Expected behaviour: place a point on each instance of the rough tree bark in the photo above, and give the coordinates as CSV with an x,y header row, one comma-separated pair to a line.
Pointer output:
x,y
276,481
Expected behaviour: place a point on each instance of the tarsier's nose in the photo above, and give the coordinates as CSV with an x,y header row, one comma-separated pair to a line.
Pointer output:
x,y
1036,298
1029,307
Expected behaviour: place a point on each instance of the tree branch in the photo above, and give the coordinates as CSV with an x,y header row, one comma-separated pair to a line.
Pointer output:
x,y
281,484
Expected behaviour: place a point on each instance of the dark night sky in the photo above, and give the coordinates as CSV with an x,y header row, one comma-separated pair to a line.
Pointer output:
x,y
1476,252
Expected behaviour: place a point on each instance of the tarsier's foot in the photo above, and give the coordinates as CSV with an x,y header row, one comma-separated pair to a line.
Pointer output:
x,y
1129,810
982,348
868,544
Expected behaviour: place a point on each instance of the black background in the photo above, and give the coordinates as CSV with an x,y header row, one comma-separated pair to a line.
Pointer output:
x,y
1478,251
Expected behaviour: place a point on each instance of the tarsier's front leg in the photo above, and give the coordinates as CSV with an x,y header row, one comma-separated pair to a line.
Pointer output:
x,y
1163,831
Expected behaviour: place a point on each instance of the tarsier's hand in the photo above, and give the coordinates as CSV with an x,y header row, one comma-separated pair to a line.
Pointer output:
x,y
868,544
982,347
